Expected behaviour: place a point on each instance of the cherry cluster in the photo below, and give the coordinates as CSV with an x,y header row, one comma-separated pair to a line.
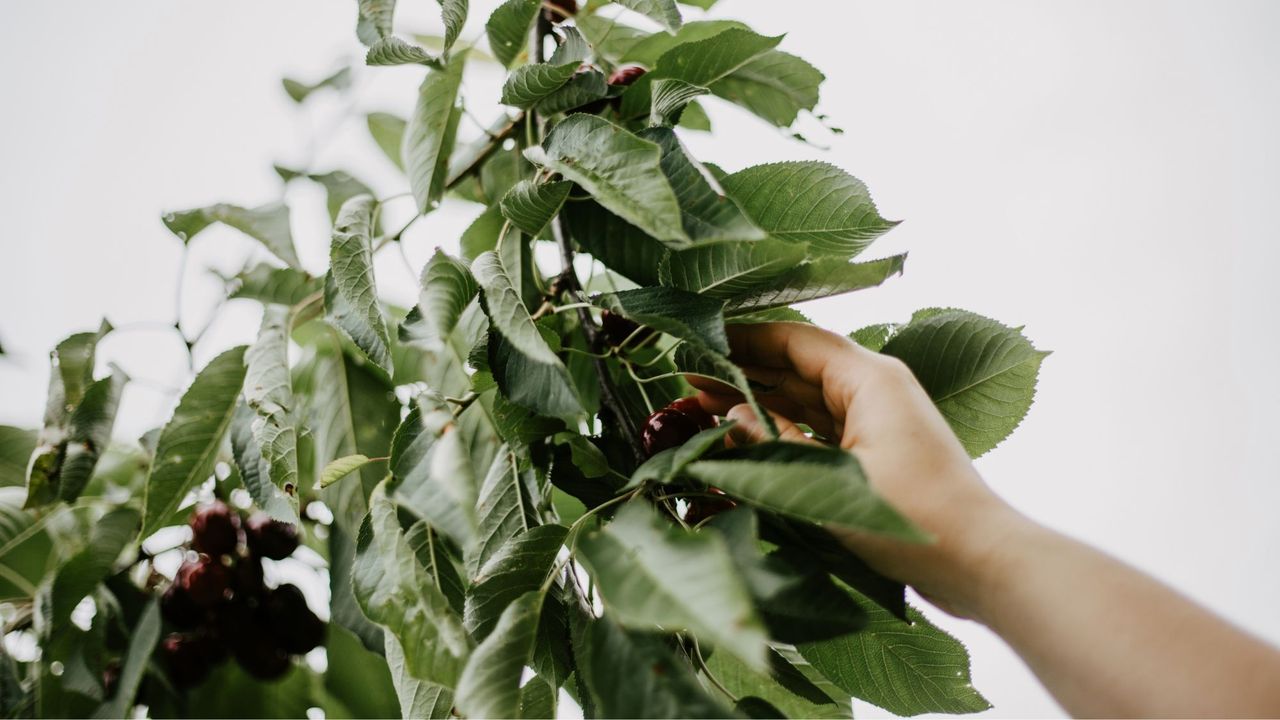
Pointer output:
x,y
220,606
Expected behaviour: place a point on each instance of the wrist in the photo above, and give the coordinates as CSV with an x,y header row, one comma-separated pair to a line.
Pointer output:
x,y
997,540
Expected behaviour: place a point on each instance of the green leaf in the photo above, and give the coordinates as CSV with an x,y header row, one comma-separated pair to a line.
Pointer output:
x,y
447,288
26,550
810,202
650,47
815,280
651,573
530,205
523,350
350,293
394,590
387,131
433,475
530,84
520,566
670,96
70,444
508,28
537,699
490,684
664,12
635,674
82,572
339,186
907,668
819,484
874,337
267,386
418,699
391,50
189,442
74,359
375,19
621,246
694,318
621,171
708,216
696,359
980,374
502,509
585,87
729,270
268,224
695,118
611,40
340,468
428,545
300,91
482,234
703,62
255,470
776,688
16,446
429,137
357,677
141,644
454,15
665,466
776,86
267,284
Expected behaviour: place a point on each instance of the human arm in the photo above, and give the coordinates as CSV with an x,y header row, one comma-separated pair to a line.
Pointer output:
x,y
1104,638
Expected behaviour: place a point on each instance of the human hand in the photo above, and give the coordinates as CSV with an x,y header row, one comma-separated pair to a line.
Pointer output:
x,y
872,405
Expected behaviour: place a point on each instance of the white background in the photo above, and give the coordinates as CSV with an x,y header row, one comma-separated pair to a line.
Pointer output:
x,y
1103,173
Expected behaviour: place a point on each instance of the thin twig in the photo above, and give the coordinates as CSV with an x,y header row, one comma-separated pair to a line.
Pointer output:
x,y
609,398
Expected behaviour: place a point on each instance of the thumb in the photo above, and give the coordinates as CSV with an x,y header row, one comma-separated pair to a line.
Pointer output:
x,y
749,430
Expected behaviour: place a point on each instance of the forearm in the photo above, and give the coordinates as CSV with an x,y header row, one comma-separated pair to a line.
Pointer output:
x,y
1106,640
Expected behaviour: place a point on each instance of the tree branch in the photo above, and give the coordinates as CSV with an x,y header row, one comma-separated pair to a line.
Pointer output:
x,y
609,400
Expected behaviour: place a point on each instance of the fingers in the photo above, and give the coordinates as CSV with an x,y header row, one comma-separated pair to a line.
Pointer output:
x,y
806,349
817,418
749,429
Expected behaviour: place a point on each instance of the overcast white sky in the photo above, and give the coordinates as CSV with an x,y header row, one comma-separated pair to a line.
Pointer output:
x,y
1103,173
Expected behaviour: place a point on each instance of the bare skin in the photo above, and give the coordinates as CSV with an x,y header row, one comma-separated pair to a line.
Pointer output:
x,y
1105,639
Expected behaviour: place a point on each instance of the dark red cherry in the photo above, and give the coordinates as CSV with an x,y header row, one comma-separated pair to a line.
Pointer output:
x,y
691,407
705,508
270,538
184,660
215,529
206,581
248,578
295,626
260,654
666,428
617,330
177,607
626,75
